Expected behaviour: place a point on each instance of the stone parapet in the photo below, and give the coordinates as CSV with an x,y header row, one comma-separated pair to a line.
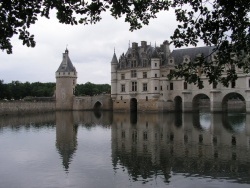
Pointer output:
x,y
21,107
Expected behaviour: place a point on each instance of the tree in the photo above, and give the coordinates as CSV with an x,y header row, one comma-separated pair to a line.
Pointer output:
x,y
224,24
91,89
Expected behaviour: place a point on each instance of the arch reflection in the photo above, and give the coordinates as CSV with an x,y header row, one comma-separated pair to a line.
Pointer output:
x,y
202,146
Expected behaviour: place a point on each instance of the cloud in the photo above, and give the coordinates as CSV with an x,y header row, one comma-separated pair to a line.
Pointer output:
x,y
91,48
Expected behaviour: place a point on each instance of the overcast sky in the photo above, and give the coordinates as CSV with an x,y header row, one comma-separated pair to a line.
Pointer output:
x,y
91,48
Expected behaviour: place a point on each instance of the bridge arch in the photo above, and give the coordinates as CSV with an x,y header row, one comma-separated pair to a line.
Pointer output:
x,y
97,105
133,105
233,102
201,101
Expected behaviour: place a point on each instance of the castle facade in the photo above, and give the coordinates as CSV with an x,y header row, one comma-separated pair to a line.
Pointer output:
x,y
139,82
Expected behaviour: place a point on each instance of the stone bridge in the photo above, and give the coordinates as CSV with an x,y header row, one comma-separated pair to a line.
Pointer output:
x,y
216,100
98,102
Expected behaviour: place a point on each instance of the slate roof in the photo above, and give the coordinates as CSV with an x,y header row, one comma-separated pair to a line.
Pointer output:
x,y
139,53
114,59
155,54
66,65
178,54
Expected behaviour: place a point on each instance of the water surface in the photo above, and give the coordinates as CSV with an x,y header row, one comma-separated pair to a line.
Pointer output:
x,y
105,149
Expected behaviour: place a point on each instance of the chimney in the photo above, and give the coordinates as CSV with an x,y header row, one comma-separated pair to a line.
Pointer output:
x,y
134,45
166,48
144,44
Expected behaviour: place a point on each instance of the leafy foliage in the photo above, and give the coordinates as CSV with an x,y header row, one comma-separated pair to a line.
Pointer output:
x,y
18,90
92,89
224,24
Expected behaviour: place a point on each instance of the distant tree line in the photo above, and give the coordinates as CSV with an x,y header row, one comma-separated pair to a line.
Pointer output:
x,y
17,90
92,89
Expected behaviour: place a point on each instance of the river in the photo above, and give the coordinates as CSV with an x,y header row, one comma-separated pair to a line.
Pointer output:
x,y
106,149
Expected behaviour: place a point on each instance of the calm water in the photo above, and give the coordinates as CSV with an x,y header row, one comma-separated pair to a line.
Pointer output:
x,y
92,150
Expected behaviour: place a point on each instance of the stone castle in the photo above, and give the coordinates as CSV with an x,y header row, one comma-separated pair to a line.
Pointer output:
x,y
66,80
139,83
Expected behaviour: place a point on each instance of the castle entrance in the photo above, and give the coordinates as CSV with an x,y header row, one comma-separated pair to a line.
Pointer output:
x,y
133,105
97,106
178,103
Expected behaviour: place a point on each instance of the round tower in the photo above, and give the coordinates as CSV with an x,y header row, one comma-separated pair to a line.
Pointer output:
x,y
66,79
114,65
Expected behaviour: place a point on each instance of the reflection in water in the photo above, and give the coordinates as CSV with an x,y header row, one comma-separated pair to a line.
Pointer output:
x,y
235,122
146,146
66,131
162,147
98,113
66,137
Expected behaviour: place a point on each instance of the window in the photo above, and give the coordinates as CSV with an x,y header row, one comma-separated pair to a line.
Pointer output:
x,y
171,86
133,73
200,138
155,88
233,84
144,63
123,88
161,88
144,87
144,75
134,136
185,85
121,97
145,136
133,63
134,86
146,98
214,85
155,75
123,134
122,76
155,64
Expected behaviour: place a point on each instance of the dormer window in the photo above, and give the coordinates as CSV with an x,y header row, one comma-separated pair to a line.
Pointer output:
x,y
186,59
171,61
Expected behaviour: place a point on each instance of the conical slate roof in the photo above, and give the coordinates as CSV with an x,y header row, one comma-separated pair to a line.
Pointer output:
x,y
114,59
66,65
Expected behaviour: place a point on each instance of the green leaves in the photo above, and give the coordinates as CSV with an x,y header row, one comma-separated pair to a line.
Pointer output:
x,y
223,24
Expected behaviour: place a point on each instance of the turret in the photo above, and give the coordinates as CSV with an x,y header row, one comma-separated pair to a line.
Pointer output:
x,y
155,73
114,66
66,79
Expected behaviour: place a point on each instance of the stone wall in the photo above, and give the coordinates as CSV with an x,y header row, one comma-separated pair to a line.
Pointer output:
x,y
89,102
21,107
